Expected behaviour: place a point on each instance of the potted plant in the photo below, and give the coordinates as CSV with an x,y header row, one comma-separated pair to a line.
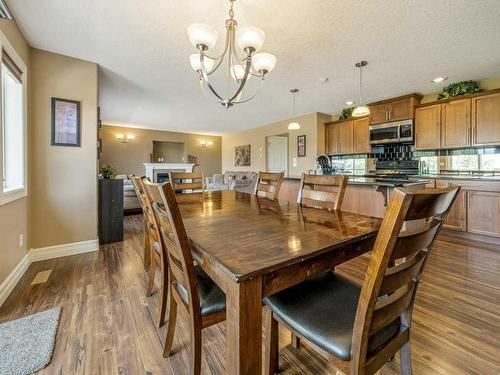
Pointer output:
x,y
458,89
110,210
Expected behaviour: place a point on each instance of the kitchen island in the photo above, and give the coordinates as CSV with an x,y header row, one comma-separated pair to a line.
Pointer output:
x,y
364,195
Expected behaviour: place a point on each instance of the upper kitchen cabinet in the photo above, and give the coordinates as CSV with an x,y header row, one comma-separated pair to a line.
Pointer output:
x,y
428,127
361,135
396,109
455,123
486,119
346,137
332,138
459,122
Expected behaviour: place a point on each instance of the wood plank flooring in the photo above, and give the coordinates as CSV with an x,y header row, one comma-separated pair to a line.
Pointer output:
x,y
107,324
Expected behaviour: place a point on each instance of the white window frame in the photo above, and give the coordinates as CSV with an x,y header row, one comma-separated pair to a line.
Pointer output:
x,y
7,197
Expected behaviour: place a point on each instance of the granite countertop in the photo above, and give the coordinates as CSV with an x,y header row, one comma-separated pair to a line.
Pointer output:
x,y
457,177
388,183
360,180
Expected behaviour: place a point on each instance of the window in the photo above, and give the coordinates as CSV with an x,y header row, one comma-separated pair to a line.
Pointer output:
x,y
464,162
13,126
489,162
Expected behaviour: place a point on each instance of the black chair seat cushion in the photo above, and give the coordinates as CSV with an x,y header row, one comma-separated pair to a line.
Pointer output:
x,y
212,298
322,309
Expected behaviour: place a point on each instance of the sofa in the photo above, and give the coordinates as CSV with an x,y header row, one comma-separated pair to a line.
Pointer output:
x,y
232,180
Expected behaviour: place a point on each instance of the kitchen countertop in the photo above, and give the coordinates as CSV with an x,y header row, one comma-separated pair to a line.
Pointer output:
x,y
388,183
360,180
464,177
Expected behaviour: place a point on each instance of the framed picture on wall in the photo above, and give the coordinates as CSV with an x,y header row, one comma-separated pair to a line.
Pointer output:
x,y
66,128
242,156
301,146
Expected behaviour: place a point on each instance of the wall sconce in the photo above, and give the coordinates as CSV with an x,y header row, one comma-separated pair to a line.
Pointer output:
x,y
205,144
125,139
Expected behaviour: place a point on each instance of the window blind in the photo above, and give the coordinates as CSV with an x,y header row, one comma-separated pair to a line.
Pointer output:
x,y
11,65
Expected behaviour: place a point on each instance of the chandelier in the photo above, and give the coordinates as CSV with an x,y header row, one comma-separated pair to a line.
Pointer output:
x,y
242,63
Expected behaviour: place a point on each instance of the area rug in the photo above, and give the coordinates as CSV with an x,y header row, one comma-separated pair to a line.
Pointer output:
x,y
27,344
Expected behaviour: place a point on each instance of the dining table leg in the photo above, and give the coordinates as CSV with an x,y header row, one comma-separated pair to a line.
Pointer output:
x,y
244,326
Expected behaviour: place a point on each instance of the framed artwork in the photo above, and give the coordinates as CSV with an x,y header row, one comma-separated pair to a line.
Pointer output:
x,y
301,146
242,156
66,128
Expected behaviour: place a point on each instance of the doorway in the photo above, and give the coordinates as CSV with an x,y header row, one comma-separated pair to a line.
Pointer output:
x,y
277,154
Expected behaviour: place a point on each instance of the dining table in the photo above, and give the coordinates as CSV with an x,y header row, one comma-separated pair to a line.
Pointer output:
x,y
253,247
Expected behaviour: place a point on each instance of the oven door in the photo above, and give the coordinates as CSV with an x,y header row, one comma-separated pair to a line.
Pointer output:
x,y
384,133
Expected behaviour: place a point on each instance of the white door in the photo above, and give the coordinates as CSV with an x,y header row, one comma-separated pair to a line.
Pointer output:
x,y
277,154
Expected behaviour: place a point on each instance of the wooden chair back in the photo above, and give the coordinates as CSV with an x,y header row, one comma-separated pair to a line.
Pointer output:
x,y
269,184
410,226
182,181
176,242
147,209
322,191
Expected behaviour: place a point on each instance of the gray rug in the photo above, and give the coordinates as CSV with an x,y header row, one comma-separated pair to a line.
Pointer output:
x,y
27,344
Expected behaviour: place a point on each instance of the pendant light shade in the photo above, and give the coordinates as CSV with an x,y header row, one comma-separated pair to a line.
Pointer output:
x,y
294,125
361,110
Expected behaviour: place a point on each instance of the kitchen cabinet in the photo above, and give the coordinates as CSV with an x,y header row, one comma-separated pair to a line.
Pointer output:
x,y
457,217
332,139
346,137
378,114
396,109
428,127
483,213
456,123
361,135
486,119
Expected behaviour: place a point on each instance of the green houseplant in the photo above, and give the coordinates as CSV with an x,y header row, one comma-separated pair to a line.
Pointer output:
x,y
458,89
107,172
346,113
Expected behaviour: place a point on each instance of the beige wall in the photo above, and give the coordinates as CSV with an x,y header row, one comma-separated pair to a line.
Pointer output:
x,y
63,179
14,216
311,125
127,158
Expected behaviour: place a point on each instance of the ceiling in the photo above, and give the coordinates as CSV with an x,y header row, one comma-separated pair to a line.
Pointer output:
x,y
146,79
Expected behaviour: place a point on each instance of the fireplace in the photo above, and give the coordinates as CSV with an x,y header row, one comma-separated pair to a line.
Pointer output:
x,y
158,172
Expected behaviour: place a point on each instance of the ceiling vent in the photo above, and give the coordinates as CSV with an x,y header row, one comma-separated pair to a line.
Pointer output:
x,y
5,13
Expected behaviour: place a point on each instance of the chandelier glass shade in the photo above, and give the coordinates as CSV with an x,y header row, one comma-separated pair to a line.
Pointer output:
x,y
361,110
242,63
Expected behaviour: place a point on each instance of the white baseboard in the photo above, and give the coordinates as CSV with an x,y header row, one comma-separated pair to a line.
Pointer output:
x,y
64,250
44,253
11,281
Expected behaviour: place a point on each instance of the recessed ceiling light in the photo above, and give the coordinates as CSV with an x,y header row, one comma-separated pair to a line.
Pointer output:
x,y
439,79
323,79
350,102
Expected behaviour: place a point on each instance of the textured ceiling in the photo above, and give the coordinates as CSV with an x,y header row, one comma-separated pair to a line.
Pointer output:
x,y
146,80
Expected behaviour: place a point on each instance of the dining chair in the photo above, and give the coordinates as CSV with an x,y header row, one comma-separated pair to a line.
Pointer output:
x,y
268,184
325,192
152,245
360,328
189,286
186,183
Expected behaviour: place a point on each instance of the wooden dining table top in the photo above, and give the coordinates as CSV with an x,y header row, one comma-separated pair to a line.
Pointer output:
x,y
248,236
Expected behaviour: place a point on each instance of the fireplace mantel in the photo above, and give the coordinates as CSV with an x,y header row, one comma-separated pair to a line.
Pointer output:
x,y
152,169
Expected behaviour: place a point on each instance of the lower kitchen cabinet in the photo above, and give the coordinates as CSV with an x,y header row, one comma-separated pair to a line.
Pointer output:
x,y
457,217
483,213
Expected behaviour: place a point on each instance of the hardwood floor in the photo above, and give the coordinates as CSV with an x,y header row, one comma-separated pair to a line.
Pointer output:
x,y
108,325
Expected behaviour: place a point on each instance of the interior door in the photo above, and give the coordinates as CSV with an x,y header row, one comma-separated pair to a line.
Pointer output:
x,y
277,154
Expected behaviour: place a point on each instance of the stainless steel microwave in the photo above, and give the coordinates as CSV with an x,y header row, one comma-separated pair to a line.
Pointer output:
x,y
392,132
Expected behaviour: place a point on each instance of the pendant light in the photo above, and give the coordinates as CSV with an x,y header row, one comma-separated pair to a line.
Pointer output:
x,y
294,125
361,110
